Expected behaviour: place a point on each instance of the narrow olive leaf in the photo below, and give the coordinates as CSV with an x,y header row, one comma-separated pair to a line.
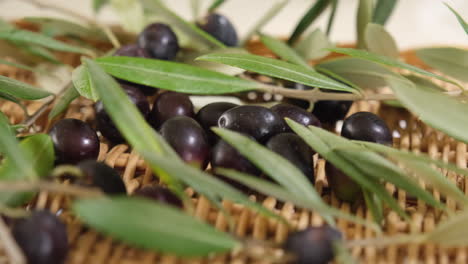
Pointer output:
x,y
374,204
99,4
130,13
21,90
310,16
208,185
446,113
383,10
82,83
27,37
274,190
33,158
424,82
279,69
63,101
215,5
189,57
450,61
263,20
331,18
174,76
21,66
361,54
451,232
40,52
379,41
459,18
195,34
324,148
10,98
127,219
364,17
363,73
283,51
342,253
276,167
314,46
59,27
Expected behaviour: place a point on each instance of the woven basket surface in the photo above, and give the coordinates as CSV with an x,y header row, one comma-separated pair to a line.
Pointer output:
x,y
89,247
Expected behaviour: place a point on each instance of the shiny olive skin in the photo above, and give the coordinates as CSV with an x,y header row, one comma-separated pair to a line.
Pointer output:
x,y
188,139
209,115
259,122
329,112
74,141
293,148
297,114
342,185
105,124
168,105
224,155
159,41
99,174
366,126
132,50
220,28
159,194
42,238
313,245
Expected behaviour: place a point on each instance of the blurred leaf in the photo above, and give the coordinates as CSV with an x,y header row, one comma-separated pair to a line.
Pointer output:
x,y
383,10
174,76
53,27
374,204
314,46
82,83
379,41
21,66
459,18
451,232
194,33
283,50
278,69
364,17
263,20
445,113
130,13
64,101
21,90
29,160
215,5
310,16
331,18
195,6
99,4
41,53
361,54
450,61
27,37
189,57
127,219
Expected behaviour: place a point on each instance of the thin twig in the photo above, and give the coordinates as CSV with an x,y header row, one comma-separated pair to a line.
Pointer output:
x,y
28,122
386,241
12,249
24,186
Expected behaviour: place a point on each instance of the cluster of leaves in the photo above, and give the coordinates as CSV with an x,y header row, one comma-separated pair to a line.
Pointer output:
x,y
368,164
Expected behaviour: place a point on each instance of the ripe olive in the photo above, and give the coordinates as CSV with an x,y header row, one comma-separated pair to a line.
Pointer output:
x,y
297,114
99,174
219,27
366,126
208,116
168,105
159,41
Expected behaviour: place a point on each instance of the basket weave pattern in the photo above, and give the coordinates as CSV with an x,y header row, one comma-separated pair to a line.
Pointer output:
x,y
89,247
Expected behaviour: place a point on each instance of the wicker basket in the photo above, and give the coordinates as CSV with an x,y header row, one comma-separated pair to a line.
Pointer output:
x,y
89,247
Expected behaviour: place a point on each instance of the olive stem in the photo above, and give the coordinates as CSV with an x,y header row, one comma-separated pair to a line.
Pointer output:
x,y
10,245
62,170
24,186
33,118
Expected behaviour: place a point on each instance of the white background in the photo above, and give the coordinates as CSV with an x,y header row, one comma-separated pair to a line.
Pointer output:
x,y
415,23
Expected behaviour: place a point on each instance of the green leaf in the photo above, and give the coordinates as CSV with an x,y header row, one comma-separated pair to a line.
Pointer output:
x,y
21,90
374,204
64,101
128,219
364,17
361,54
383,10
451,232
40,52
99,4
189,57
20,66
130,13
29,160
331,18
379,41
215,5
195,6
450,61
27,37
194,33
283,51
263,20
363,73
82,83
459,18
174,76
275,166
277,68
53,27
312,14
445,113
314,46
